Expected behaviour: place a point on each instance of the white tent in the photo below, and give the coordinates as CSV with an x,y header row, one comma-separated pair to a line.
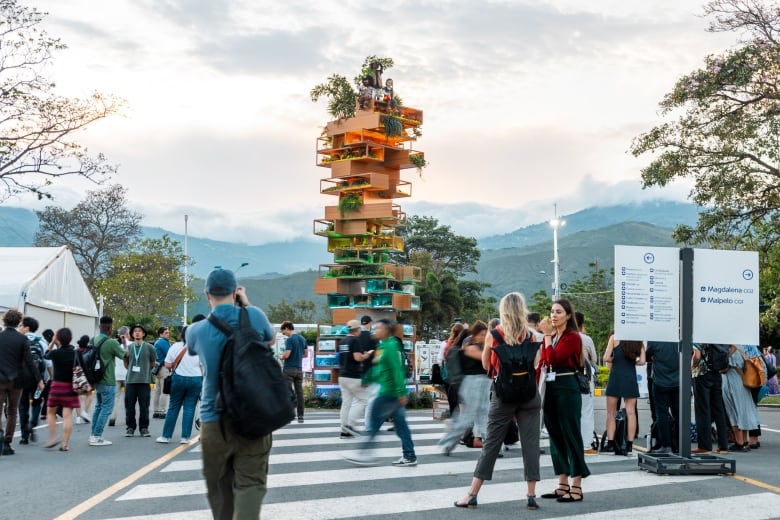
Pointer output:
x,y
45,283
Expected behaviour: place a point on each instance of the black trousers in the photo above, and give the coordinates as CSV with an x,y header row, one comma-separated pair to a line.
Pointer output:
x,y
708,398
667,410
137,393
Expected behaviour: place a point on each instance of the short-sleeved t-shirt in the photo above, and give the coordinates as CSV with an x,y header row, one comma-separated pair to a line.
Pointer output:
x,y
348,347
109,351
295,344
205,340
666,363
139,359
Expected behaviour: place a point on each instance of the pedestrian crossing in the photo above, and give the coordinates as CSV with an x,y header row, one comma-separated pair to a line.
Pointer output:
x,y
309,480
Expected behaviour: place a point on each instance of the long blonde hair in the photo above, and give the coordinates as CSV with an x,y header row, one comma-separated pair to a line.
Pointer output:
x,y
514,317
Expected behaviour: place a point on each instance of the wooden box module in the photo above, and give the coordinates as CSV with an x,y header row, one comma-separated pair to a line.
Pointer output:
x,y
369,210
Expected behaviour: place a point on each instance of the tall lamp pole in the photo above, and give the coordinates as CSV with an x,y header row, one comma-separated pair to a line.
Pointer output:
x,y
186,279
556,223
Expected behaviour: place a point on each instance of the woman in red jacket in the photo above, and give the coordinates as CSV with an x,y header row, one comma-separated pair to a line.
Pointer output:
x,y
562,354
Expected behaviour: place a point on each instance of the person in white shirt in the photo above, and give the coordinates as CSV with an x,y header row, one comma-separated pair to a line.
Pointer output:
x,y
186,384
587,421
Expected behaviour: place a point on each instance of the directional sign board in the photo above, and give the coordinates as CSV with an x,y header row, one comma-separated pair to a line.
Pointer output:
x,y
647,293
725,297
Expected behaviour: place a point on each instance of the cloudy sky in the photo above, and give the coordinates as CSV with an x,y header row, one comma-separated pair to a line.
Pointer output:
x,y
527,102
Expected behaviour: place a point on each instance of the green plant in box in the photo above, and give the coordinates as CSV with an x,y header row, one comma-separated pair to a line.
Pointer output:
x,y
350,202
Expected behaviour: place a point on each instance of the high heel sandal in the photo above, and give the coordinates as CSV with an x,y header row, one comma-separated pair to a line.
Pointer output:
x,y
471,504
563,488
569,497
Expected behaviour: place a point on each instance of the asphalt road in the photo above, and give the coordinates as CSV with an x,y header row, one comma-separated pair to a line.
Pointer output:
x,y
139,478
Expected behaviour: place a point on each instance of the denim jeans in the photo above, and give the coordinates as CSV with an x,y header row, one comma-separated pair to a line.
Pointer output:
x,y
29,414
383,407
474,397
185,392
294,378
104,405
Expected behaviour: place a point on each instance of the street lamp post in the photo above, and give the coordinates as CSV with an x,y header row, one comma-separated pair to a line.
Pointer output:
x,y
186,279
556,223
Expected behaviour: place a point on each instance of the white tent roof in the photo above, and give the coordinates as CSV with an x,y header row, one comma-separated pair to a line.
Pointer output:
x,y
46,277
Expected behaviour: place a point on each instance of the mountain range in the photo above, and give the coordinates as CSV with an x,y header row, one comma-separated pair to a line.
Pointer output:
x,y
520,260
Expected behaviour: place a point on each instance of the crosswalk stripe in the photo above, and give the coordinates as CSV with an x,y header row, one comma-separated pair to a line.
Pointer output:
x,y
426,500
330,441
334,420
351,474
336,429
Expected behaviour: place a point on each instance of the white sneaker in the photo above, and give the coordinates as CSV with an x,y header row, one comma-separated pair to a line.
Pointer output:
x,y
99,441
85,417
403,461
184,440
79,420
93,438
163,440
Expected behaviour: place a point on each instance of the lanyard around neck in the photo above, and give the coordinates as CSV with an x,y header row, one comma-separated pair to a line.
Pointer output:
x,y
137,352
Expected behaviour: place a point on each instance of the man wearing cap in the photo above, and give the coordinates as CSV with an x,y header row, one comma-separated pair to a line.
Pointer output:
x,y
139,361
294,352
105,390
354,396
235,468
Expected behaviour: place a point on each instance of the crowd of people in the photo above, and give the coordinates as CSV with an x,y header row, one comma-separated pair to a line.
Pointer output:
x,y
36,382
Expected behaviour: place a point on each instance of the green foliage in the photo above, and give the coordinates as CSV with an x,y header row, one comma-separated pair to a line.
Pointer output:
x,y
342,98
394,127
420,400
301,311
449,253
146,282
440,302
36,144
96,230
367,70
350,202
602,376
419,162
593,295
539,302
722,131
310,335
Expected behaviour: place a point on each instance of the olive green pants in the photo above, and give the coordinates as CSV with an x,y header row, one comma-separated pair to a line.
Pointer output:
x,y
236,472
562,408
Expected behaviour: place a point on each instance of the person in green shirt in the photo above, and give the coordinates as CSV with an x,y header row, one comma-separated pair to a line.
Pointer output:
x,y
105,390
388,371
139,361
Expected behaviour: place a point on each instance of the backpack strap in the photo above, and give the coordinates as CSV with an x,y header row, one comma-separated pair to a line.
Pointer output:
x,y
498,337
223,327
178,359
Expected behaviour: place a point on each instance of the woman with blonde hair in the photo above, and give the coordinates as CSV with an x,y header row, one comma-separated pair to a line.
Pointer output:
x,y
514,333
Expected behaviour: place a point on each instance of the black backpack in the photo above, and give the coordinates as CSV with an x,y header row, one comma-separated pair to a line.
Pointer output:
x,y
452,373
94,369
516,379
716,357
37,351
253,396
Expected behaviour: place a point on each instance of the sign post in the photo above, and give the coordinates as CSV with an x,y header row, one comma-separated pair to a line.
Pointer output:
x,y
685,296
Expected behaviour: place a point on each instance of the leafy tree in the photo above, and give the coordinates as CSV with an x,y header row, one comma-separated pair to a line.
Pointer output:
x,y
723,133
593,295
146,282
475,305
342,97
36,125
440,302
301,311
443,250
540,302
98,229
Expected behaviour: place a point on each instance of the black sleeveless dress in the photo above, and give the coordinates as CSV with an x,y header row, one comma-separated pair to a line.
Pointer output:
x,y
622,376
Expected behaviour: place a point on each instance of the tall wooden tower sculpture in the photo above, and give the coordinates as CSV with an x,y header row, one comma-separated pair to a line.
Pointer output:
x,y
365,155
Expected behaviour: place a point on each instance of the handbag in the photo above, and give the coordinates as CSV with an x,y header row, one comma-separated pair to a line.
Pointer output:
x,y
753,375
79,382
168,381
583,376
771,370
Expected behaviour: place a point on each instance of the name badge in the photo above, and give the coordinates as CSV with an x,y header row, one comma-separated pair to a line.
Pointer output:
x,y
550,377
138,369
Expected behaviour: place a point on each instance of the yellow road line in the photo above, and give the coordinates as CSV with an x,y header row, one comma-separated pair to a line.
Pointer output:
x,y
125,482
756,483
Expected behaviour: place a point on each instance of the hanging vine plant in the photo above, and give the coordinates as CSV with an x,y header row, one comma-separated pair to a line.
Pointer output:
x,y
349,203
394,127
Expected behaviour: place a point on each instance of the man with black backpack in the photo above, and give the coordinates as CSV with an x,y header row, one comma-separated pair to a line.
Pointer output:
x,y
108,350
32,399
235,466
706,368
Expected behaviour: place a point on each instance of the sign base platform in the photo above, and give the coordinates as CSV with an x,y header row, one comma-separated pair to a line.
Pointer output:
x,y
671,464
